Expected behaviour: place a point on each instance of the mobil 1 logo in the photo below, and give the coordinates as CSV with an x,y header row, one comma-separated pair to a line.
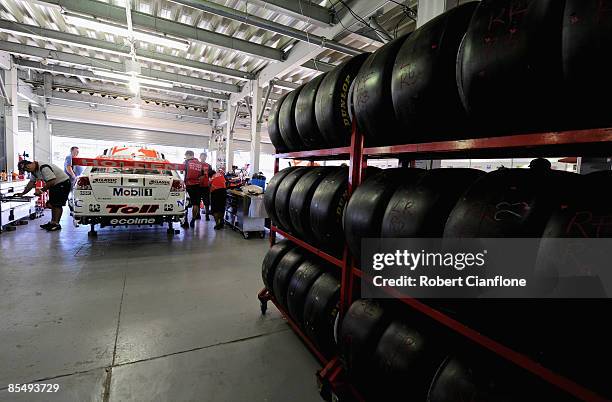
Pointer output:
x,y
132,192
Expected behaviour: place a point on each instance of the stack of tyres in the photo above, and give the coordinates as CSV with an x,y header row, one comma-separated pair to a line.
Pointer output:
x,y
508,203
283,196
285,269
270,193
299,286
509,65
307,289
385,356
332,102
326,210
286,122
424,85
587,65
321,308
372,97
309,203
360,330
273,127
301,198
305,120
273,256
364,213
586,219
421,209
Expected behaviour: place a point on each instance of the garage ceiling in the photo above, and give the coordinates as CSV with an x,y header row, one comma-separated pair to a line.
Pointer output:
x,y
184,51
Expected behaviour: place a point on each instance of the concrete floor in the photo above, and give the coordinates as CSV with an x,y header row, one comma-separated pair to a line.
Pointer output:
x,y
135,316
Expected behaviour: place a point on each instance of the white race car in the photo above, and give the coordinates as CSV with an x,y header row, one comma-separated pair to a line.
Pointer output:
x,y
128,186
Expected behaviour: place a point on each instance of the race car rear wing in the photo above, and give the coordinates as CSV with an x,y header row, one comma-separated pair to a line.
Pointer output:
x,y
127,163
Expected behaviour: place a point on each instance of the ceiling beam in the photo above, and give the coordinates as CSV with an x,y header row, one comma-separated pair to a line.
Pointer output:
x,y
106,11
318,65
112,90
253,20
68,98
302,52
286,84
110,48
145,72
25,50
302,10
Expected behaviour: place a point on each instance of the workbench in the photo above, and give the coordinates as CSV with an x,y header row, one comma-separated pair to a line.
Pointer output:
x,y
17,210
245,213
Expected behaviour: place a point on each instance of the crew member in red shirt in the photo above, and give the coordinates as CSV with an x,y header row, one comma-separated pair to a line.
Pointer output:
x,y
194,170
217,197
205,184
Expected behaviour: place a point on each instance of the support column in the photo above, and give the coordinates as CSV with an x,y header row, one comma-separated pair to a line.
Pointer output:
x,y
42,127
11,123
256,126
230,111
42,137
430,9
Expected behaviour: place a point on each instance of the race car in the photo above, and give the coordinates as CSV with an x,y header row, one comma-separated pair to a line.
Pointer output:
x,y
128,186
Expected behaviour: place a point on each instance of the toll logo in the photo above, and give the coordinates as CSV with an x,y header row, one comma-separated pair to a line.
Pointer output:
x,y
128,209
132,192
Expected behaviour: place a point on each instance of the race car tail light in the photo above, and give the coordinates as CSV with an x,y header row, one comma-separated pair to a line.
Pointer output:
x,y
83,183
178,185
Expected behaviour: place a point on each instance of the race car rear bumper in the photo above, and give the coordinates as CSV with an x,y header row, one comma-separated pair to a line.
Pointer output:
x,y
132,220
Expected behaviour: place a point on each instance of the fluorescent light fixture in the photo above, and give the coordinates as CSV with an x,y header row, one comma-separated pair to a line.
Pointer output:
x,y
137,111
139,80
95,25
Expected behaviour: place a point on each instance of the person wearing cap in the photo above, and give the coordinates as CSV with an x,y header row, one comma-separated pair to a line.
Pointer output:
x,y
205,184
57,183
540,165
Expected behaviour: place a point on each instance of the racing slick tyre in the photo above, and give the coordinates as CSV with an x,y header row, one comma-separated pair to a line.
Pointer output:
x,y
331,104
305,120
286,122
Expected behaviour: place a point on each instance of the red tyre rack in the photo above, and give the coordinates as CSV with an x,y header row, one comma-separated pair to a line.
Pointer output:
x,y
575,142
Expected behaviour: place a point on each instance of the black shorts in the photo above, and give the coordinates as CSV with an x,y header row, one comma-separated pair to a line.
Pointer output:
x,y
205,193
58,194
195,195
217,199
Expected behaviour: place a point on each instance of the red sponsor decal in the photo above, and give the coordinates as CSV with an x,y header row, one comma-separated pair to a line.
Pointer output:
x,y
130,209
